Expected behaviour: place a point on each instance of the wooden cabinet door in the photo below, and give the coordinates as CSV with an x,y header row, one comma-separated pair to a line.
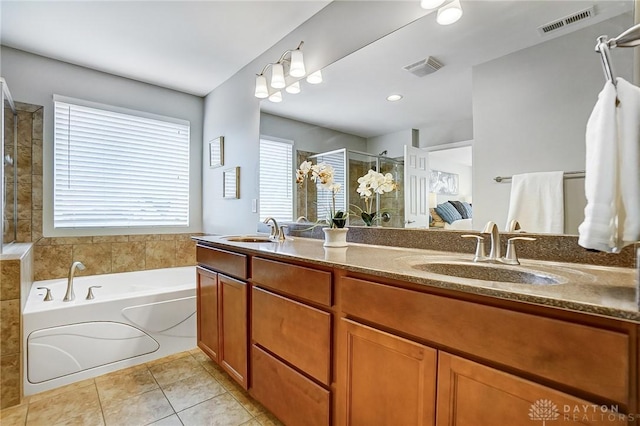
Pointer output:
x,y
207,312
387,380
471,394
233,328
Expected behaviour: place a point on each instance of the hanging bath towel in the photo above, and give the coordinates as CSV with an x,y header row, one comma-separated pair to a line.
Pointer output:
x,y
612,178
537,202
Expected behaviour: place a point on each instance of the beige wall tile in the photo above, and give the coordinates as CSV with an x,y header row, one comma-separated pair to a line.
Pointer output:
x,y
52,261
127,257
44,241
96,258
9,327
24,163
160,254
185,253
36,192
167,237
24,231
37,124
24,200
36,225
111,239
71,240
10,381
36,157
145,237
25,129
10,279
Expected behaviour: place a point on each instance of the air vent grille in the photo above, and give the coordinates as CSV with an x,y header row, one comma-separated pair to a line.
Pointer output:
x,y
424,67
567,20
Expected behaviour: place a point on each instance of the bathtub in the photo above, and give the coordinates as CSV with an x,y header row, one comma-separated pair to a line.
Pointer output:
x,y
134,318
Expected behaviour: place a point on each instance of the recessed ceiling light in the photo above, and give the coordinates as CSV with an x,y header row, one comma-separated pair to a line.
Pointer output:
x,y
394,98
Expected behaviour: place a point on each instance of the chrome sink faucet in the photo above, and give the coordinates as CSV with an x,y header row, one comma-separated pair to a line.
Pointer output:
x,y
494,253
277,233
69,295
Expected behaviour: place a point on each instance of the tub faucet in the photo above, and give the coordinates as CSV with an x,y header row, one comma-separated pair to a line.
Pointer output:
x,y
69,296
492,228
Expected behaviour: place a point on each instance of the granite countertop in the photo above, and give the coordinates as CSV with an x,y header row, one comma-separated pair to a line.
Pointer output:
x,y
601,290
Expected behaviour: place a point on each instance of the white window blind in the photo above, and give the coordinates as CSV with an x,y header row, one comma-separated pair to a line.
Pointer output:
x,y
113,169
276,180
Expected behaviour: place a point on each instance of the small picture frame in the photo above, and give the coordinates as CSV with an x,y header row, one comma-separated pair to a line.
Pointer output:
x,y
216,152
231,183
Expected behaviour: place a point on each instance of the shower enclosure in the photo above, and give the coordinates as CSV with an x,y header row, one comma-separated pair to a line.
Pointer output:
x,y
8,167
315,202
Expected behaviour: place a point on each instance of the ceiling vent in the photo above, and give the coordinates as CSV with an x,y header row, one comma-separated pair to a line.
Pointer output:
x,y
567,20
424,67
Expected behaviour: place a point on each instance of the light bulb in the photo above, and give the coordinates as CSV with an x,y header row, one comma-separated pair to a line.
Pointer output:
x,y
449,13
277,76
297,64
293,88
276,97
261,87
431,4
315,78
394,98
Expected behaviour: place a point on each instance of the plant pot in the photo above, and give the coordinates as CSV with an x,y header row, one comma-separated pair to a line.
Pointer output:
x,y
335,237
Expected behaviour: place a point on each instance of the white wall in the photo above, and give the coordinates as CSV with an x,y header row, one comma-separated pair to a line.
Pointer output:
x,y
232,111
393,143
308,137
35,79
530,110
446,132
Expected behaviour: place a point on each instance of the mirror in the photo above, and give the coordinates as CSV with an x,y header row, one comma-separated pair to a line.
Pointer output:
x,y
520,96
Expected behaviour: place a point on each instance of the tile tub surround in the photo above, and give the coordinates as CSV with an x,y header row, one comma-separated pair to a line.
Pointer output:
x,y
561,248
16,277
607,291
183,389
108,254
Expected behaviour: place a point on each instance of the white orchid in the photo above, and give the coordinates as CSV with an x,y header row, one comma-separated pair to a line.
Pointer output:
x,y
370,183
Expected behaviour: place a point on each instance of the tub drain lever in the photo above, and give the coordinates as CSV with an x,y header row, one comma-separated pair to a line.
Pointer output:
x,y
47,296
90,292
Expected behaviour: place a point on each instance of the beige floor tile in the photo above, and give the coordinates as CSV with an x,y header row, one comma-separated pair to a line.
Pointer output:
x,y
15,415
268,419
168,359
92,418
125,371
58,391
251,405
222,410
252,422
200,356
192,390
220,375
138,410
124,386
175,370
62,407
169,421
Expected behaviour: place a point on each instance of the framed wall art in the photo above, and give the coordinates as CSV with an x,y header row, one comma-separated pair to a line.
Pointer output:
x,y
443,183
231,183
216,152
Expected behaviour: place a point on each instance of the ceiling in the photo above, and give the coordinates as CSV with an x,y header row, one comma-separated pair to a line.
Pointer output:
x,y
352,98
190,46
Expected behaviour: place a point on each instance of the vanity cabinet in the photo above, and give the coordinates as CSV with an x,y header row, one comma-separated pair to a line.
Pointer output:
x,y
291,333
222,315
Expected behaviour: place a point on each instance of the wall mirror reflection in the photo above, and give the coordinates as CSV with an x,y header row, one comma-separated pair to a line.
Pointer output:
x,y
516,95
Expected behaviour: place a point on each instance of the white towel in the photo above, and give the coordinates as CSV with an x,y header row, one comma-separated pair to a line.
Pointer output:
x,y
612,179
537,202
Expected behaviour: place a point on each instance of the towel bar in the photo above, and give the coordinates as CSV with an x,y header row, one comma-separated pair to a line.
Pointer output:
x,y
567,175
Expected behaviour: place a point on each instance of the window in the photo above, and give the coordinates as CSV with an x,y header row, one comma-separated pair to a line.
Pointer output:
x,y
115,169
276,180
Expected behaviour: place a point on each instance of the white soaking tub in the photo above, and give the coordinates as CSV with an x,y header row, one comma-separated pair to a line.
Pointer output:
x,y
135,317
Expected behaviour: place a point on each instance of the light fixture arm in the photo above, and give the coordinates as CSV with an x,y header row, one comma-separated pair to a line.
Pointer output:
x,y
286,52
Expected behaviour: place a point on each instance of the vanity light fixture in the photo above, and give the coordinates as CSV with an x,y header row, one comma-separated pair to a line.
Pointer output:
x,y
394,98
315,77
276,97
293,88
449,13
291,61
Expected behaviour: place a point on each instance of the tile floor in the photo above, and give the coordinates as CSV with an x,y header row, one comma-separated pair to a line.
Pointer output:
x,y
183,389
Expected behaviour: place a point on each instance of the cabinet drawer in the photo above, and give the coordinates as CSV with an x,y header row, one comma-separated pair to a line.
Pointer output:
x,y
297,281
233,264
295,332
586,358
293,398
